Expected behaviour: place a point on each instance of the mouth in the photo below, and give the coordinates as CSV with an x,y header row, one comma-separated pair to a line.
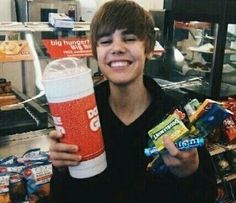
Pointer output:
x,y
119,64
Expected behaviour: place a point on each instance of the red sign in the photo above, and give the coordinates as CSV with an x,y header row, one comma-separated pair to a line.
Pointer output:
x,y
68,47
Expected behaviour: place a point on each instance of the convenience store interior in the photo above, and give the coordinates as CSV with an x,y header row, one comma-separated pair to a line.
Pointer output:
x,y
194,57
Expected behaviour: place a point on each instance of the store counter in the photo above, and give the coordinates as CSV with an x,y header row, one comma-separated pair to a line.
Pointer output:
x,y
18,144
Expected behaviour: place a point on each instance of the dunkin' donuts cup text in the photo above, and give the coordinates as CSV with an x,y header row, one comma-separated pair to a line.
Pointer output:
x,y
78,121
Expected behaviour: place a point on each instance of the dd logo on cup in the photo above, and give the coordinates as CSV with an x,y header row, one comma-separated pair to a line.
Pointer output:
x,y
58,124
93,118
94,123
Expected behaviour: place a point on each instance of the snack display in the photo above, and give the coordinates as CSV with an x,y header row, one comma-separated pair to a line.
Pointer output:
x,y
4,188
25,178
229,124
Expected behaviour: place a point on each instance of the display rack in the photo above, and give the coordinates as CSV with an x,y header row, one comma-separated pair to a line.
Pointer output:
x,y
221,13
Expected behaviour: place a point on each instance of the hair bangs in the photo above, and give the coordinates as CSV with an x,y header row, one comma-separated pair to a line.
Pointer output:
x,y
119,18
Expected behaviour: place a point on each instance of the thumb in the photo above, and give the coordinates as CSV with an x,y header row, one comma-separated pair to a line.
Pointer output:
x,y
170,146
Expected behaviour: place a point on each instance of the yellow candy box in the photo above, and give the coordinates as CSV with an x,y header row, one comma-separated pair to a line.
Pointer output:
x,y
171,126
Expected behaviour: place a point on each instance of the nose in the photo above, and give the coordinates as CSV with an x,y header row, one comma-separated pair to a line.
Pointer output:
x,y
118,47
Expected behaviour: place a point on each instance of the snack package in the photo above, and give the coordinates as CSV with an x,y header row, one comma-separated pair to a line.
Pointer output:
x,y
191,107
4,188
200,110
16,185
229,127
38,182
8,160
17,188
33,156
182,145
171,126
10,165
229,124
230,104
211,118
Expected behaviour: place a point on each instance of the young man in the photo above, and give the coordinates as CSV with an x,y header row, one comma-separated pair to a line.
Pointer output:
x,y
130,104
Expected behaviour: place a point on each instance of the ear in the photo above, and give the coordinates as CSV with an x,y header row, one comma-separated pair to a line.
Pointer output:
x,y
149,55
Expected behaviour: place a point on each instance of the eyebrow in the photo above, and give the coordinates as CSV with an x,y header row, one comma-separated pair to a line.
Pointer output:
x,y
105,34
128,32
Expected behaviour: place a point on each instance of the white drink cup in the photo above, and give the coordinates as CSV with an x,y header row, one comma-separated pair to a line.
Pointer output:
x,y
69,90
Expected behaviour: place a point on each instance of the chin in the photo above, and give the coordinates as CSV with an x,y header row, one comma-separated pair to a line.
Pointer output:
x,y
121,82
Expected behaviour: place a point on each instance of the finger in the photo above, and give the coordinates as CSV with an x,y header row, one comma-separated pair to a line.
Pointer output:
x,y
62,163
171,161
55,135
170,146
60,147
64,156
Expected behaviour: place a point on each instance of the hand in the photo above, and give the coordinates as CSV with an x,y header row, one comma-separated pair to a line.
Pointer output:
x,y
62,154
180,163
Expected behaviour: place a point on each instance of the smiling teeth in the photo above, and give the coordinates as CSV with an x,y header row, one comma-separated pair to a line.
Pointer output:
x,y
119,64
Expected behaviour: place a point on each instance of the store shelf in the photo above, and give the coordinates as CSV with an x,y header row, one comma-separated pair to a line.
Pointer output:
x,y
215,149
215,16
39,26
227,178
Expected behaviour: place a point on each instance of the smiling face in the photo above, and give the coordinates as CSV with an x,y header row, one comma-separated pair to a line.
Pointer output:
x,y
122,36
121,56
122,15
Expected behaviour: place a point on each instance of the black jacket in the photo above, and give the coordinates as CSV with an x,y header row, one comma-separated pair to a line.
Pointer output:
x,y
126,179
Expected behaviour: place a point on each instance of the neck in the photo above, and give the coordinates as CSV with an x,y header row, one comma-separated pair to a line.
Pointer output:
x,y
129,102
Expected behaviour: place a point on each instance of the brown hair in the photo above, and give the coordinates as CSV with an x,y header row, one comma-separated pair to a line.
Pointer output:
x,y
123,14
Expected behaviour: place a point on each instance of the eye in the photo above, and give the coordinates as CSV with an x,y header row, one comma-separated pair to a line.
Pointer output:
x,y
130,38
104,41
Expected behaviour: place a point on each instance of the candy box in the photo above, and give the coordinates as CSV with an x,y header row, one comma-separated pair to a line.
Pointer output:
x,y
172,127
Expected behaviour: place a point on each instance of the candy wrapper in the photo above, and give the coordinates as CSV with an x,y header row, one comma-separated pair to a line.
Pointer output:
x,y
33,156
229,124
191,107
172,126
38,182
17,188
4,188
182,145
212,118
201,109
